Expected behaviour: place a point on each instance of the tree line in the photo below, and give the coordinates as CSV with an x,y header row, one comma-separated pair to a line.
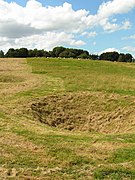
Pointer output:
x,y
62,52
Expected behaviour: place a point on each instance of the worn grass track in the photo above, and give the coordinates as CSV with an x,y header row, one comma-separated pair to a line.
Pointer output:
x,y
32,150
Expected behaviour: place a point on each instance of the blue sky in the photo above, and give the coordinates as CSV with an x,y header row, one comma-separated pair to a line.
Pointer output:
x,y
77,4
94,25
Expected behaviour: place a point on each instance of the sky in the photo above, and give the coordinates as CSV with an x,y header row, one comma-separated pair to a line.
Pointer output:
x,y
94,25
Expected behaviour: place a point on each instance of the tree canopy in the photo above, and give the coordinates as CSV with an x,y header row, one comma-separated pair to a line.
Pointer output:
x,y
62,52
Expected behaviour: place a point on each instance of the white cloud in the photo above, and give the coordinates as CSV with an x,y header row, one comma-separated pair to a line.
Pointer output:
x,y
11,29
111,8
44,41
107,26
129,37
36,25
126,25
94,43
36,16
115,7
41,27
109,50
89,34
132,37
129,49
112,27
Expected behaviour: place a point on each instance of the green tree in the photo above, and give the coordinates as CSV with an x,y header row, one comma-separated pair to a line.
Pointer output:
x,y
11,53
40,53
31,53
52,54
128,57
1,54
22,52
71,54
93,56
125,57
110,56
46,54
121,58
64,54
84,55
58,50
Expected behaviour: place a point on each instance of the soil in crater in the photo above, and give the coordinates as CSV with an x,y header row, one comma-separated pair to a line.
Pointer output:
x,y
106,113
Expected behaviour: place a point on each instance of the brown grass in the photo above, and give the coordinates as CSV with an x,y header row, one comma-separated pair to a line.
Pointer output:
x,y
87,112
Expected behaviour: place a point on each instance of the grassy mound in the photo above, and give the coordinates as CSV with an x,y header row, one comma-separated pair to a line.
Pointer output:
x,y
86,112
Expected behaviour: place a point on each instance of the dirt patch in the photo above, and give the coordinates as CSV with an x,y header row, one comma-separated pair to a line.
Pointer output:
x,y
87,112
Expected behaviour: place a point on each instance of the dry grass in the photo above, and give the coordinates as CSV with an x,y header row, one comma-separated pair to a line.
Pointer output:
x,y
91,112
17,75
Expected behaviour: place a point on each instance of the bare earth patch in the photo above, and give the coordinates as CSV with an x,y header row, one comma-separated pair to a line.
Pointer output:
x,y
87,112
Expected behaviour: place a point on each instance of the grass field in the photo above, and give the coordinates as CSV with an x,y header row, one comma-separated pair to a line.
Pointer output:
x,y
87,110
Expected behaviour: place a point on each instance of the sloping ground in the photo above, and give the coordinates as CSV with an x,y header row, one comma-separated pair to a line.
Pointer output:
x,y
98,112
32,150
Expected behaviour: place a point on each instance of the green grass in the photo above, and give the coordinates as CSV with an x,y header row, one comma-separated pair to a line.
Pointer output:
x,y
117,174
124,155
86,75
2,115
38,151
125,138
93,76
